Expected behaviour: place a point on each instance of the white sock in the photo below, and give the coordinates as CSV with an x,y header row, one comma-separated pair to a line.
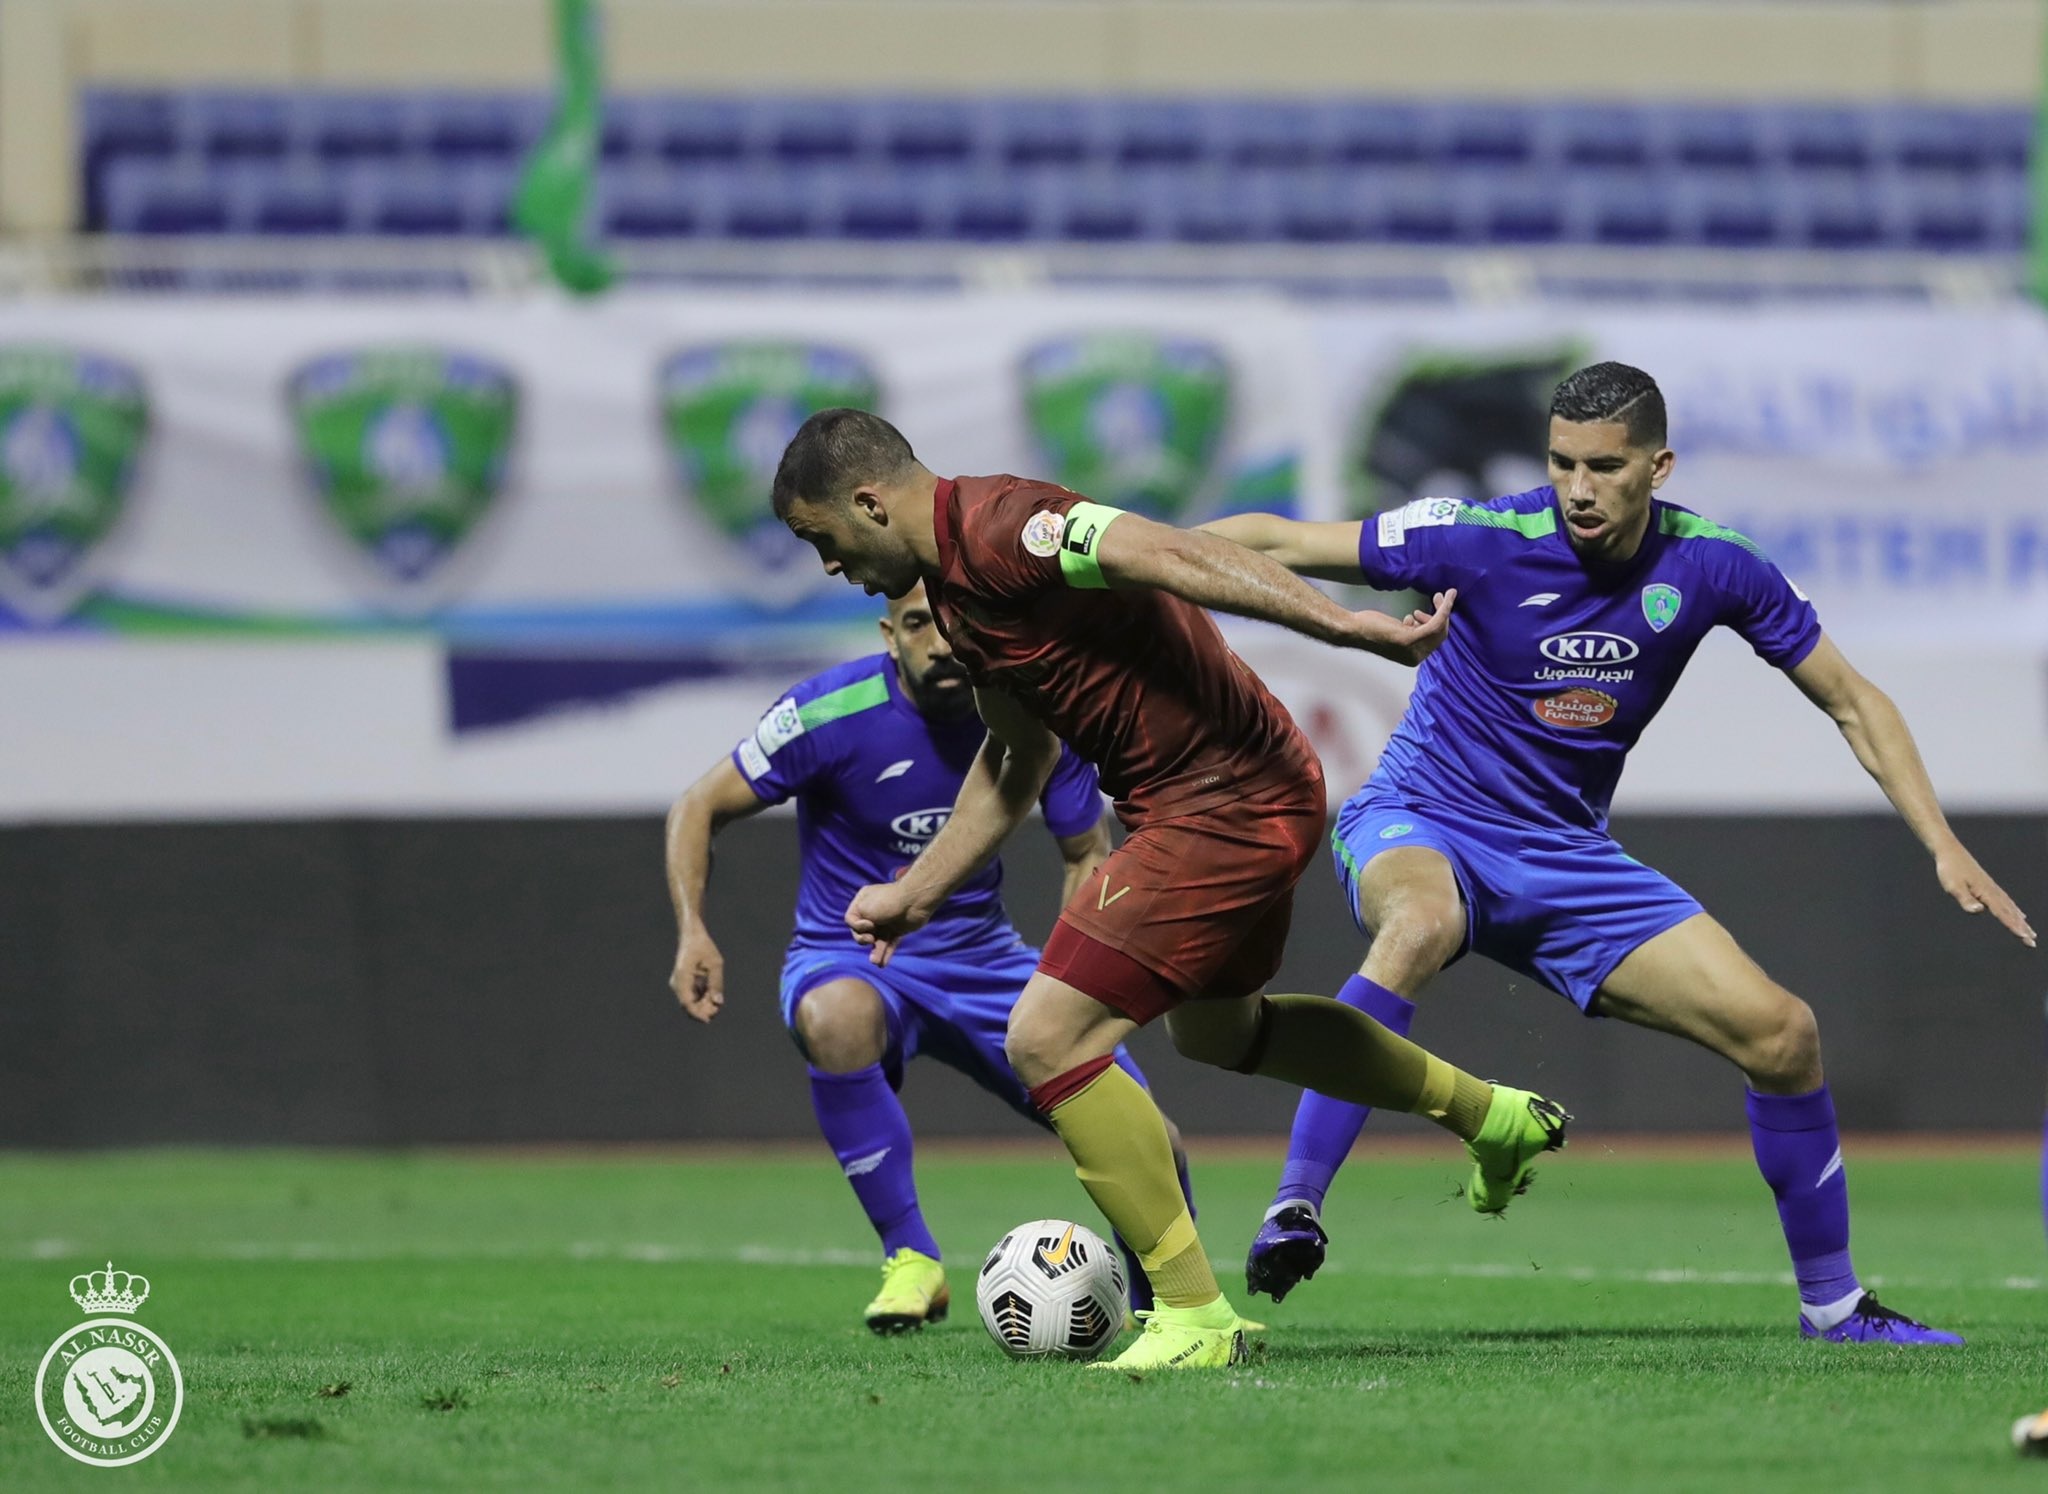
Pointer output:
x,y
1295,1203
1824,1315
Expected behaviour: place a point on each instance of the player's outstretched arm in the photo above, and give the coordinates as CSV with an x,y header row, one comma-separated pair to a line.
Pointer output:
x,y
1878,735
707,806
1329,552
1001,786
1220,574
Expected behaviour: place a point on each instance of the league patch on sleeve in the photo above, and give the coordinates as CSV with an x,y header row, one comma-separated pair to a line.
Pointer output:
x,y
781,726
753,761
1042,533
1422,513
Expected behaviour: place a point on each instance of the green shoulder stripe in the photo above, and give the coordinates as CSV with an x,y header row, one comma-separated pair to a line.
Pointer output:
x,y
1692,526
861,695
1529,526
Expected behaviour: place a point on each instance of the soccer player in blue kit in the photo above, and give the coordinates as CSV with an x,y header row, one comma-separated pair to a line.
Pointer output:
x,y
874,752
1484,826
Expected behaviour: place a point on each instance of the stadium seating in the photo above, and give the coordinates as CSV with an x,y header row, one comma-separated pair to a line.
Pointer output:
x,y
1086,170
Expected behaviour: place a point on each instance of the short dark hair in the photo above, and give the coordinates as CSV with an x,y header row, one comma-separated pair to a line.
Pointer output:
x,y
1613,391
834,452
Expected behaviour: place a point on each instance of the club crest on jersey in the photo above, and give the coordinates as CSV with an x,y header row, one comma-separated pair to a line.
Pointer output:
x,y
1042,533
1660,605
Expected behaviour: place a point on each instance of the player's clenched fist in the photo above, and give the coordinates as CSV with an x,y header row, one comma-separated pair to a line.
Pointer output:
x,y
880,914
699,977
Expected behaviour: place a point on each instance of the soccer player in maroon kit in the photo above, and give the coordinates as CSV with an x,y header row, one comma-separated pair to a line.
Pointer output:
x,y
1079,621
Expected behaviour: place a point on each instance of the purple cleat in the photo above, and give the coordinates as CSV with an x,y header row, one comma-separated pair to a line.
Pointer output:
x,y
1871,1322
1287,1250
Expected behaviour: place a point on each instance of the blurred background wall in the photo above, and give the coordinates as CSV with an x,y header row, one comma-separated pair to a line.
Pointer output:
x,y
364,599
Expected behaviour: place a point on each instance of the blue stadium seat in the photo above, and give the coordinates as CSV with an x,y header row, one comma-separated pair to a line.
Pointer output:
x,y
357,127
929,132
880,205
1940,141
1709,136
1489,134
164,197
652,202
1269,133
697,130
808,132
1948,215
1218,204
1409,205
1158,132
413,201
2011,199
121,127
987,207
1598,135
1839,210
1094,206
1622,207
1729,209
481,127
765,204
2008,136
1048,131
1514,206
1825,138
293,199
239,126
1376,134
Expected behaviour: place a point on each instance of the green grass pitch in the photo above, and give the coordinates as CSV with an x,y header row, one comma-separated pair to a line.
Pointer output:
x,y
642,1321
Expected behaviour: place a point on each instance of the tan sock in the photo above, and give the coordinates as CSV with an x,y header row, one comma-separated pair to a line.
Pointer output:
x,y
1125,1161
1337,1050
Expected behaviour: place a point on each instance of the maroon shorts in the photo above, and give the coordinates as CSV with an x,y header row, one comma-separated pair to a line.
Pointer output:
x,y
1190,907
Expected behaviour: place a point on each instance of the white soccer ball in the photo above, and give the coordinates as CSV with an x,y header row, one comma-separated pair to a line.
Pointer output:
x,y
1051,1288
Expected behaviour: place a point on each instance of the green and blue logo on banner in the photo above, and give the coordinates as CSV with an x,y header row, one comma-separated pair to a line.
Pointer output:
x,y
72,426
1132,419
406,448
727,411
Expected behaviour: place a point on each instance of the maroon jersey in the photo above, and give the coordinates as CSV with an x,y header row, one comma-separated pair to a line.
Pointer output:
x,y
1138,682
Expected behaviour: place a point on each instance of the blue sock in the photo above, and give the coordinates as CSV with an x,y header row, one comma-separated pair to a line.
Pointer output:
x,y
1799,1152
868,1132
1324,1129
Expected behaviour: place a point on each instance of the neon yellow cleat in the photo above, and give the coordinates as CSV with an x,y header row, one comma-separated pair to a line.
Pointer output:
x,y
913,1293
1519,1128
1178,1338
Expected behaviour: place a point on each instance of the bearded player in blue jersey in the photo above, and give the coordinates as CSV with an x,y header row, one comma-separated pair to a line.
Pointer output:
x,y
874,752
1485,825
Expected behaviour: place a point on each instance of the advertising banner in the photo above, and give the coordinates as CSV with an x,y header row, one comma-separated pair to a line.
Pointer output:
x,y
314,556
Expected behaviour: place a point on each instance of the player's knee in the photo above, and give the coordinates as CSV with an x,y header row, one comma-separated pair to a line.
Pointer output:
x,y
1784,1050
842,1028
1417,937
1036,1051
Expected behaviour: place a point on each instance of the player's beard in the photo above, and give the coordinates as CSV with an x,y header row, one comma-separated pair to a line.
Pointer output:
x,y
937,698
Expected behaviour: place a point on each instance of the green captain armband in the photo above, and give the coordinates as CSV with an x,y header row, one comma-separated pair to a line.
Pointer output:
x,y
1084,526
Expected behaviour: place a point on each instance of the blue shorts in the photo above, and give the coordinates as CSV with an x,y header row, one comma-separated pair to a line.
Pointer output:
x,y
955,1009
1560,906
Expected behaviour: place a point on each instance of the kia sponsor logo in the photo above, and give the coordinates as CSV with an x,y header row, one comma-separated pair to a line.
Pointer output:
x,y
1589,648
921,824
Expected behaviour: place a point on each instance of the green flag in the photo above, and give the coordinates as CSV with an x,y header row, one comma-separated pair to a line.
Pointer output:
x,y
2037,276
554,194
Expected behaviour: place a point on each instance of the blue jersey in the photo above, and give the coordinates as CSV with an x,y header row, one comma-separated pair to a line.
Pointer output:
x,y
1554,665
874,778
